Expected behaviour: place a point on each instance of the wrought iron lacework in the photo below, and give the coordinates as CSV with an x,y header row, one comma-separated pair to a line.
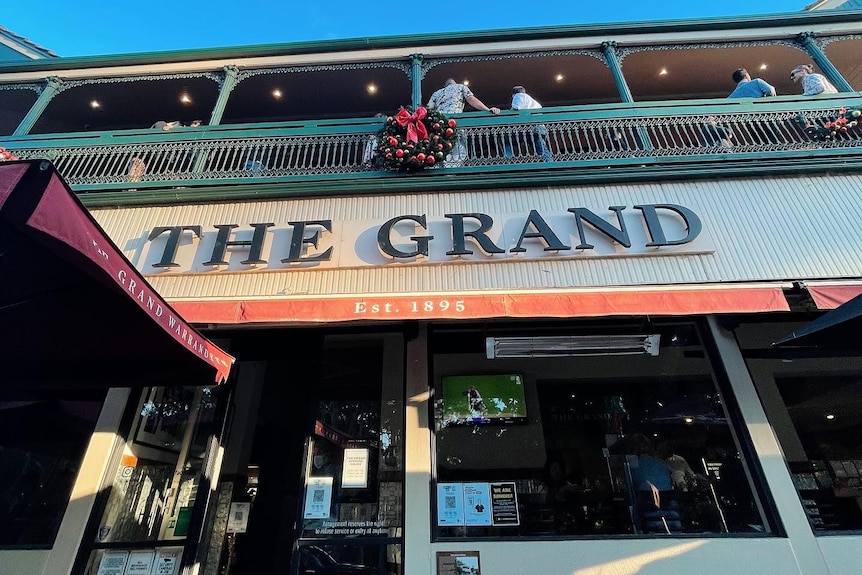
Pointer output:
x,y
587,142
402,66
429,63
822,42
35,87
215,77
623,51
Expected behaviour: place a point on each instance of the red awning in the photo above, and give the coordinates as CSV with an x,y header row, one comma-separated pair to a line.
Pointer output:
x,y
568,303
73,309
832,296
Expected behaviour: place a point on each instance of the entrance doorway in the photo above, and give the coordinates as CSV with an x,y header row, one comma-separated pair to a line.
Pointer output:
x,y
326,463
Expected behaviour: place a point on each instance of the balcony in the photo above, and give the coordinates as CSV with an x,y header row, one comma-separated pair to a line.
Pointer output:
x,y
598,143
622,102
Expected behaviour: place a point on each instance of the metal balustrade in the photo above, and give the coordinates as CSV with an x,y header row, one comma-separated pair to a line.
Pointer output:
x,y
516,141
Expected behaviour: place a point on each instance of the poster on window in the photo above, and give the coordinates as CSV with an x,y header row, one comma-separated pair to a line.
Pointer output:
x,y
140,563
354,472
450,504
477,504
318,497
504,504
167,562
113,563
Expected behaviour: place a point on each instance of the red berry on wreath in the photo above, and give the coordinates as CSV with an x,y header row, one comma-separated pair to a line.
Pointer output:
x,y
439,146
393,141
449,131
430,160
452,123
388,156
399,153
420,156
436,125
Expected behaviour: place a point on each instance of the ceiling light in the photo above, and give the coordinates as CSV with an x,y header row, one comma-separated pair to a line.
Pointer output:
x,y
277,94
466,82
95,104
571,345
662,72
186,99
763,66
372,89
830,416
688,419
559,78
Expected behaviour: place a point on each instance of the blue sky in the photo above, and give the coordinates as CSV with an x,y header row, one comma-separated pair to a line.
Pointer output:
x,y
111,27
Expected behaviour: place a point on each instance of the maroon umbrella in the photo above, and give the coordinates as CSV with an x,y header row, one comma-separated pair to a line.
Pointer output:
x,y
73,310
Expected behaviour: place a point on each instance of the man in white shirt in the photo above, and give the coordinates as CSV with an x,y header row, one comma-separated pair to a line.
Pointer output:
x,y
523,101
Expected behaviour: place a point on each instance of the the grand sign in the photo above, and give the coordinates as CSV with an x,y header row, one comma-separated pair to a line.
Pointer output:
x,y
642,230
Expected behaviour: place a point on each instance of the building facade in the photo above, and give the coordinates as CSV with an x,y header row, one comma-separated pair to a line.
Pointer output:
x,y
500,364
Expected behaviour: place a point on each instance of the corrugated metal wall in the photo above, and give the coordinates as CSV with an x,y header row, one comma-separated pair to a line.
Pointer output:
x,y
762,230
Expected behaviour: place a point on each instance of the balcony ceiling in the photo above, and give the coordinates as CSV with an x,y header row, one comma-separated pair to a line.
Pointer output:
x,y
554,79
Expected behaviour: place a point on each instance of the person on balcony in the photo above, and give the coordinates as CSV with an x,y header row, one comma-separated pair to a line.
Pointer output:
x,y
521,100
812,84
450,99
746,87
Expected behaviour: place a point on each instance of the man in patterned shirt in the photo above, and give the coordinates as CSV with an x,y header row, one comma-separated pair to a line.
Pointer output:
x,y
450,99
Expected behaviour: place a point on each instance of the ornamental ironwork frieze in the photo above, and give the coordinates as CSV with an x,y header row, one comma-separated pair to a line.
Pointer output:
x,y
624,51
402,66
67,84
429,63
35,87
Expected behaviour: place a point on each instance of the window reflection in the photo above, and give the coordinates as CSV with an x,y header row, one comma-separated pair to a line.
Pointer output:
x,y
636,445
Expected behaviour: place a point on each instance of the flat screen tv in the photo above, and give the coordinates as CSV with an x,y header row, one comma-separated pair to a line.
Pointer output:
x,y
483,399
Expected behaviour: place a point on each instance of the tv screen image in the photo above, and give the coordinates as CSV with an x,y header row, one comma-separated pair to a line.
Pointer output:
x,y
483,399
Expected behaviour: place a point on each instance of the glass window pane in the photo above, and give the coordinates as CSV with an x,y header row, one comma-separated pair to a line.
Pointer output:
x,y
592,444
39,462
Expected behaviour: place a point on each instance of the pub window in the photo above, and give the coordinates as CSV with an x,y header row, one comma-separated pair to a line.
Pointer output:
x,y
810,392
39,461
611,431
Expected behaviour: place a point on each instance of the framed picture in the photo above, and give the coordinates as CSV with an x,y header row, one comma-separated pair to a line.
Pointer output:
x,y
164,416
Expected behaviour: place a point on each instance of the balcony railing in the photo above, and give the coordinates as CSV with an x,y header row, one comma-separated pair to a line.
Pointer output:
x,y
596,136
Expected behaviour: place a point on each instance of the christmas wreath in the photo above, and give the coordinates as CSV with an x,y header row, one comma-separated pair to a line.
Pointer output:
x,y
6,155
846,120
411,141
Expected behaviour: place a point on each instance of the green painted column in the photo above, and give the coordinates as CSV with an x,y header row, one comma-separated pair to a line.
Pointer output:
x,y
416,79
231,74
610,52
228,83
51,88
806,40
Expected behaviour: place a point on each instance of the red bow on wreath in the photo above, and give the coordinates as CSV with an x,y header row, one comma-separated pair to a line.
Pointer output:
x,y
415,128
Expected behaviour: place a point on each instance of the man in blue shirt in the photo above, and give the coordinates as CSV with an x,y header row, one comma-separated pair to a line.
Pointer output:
x,y
748,88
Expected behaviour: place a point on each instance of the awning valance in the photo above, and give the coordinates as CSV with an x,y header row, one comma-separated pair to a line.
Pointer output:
x,y
553,304
73,309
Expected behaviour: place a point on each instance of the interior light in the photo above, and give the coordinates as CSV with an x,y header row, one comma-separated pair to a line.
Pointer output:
x,y
830,416
763,66
95,104
662,72
277,94
688,419
571,345
466,82
186,99
372,89
559,78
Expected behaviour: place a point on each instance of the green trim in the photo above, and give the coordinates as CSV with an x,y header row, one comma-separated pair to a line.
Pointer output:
x,y
624,170
616,30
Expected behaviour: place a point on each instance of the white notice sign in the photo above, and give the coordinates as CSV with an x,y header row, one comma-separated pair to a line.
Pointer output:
x,y
167,562
354,474
318,497
237,521
450,504
113,563
477,504
140,563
